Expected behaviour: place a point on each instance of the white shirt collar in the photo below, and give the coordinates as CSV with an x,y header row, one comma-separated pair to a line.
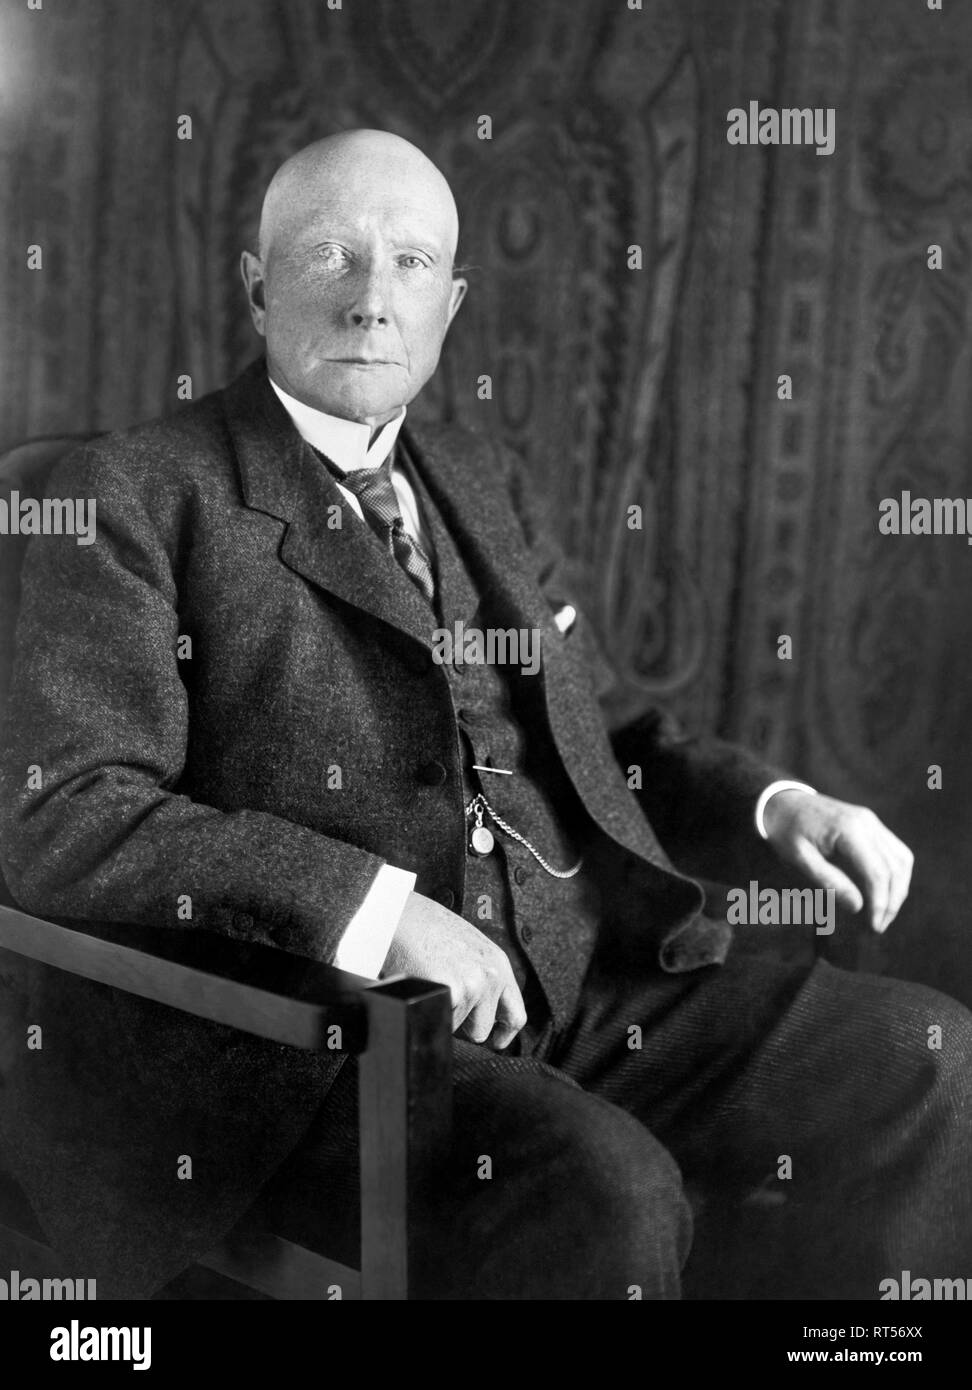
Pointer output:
x,y
345,442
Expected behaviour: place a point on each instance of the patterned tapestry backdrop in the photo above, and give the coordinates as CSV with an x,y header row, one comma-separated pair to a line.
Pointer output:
x,y
655,386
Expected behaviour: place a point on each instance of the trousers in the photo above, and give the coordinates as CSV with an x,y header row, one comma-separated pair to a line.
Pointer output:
x,y
764,1128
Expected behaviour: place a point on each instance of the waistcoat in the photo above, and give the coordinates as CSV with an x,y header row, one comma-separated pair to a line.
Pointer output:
x,y
547,926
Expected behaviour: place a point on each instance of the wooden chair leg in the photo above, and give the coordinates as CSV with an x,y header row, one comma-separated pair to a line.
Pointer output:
x,y
405,1119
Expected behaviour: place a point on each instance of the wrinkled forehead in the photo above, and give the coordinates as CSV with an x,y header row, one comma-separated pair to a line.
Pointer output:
x,y
358,203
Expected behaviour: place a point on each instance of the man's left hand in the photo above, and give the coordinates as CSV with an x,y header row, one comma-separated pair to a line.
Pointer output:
x,y
843,847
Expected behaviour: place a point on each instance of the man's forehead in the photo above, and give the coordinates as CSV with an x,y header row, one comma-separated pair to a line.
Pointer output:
x,y
395,217
355,188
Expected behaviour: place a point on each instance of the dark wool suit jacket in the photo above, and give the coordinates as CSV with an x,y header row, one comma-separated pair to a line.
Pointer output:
x,y
167,775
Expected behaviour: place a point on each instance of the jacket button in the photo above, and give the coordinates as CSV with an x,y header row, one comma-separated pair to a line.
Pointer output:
x,y
526,934
520,875
445,896
433,774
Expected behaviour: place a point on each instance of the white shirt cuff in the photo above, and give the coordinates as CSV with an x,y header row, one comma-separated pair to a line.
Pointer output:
x,y
367,937
771,791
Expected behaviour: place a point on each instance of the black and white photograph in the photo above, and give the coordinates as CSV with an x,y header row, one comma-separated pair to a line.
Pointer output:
x,y
486,745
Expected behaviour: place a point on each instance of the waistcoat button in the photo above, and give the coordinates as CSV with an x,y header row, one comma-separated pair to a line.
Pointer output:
x,y
521,875
433,774
445,896
526,934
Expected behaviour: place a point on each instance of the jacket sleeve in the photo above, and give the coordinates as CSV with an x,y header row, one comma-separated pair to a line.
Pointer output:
x,y
698,792
95,741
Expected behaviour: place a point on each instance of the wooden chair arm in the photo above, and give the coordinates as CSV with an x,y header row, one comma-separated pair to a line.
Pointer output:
x,y
402,1028
245,985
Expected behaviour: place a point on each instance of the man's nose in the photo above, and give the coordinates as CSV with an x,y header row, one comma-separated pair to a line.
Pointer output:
x,y
369,307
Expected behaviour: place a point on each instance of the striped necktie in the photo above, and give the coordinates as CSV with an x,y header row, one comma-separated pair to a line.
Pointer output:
x,y
375,490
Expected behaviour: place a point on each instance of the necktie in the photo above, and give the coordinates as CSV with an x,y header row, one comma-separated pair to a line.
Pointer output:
x,y
375,490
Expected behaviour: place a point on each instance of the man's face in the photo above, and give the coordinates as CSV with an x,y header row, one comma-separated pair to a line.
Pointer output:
x,y
355,295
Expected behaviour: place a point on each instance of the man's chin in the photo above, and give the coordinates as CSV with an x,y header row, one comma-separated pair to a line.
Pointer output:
x,y
366,401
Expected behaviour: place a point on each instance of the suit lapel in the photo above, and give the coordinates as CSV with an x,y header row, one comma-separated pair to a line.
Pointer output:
x,y
480,519
281,475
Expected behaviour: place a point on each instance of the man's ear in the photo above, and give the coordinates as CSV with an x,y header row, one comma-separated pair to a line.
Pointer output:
x,y
459,288
251,269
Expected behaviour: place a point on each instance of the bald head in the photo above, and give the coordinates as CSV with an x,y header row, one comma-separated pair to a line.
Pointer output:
x,y
353,287
371,167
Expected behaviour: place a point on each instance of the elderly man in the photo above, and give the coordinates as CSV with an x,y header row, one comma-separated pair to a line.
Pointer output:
x,y
243,721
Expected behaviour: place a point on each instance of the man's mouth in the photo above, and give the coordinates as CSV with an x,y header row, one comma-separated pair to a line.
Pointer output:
x,y
367,361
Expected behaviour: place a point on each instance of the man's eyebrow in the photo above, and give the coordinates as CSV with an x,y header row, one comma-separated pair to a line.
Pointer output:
x,y
434,253
425,241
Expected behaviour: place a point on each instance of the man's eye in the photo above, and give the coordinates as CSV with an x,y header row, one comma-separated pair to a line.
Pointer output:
x,y
332,255
414,262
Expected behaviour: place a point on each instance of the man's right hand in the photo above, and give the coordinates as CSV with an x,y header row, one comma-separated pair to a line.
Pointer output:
x,y
436,944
